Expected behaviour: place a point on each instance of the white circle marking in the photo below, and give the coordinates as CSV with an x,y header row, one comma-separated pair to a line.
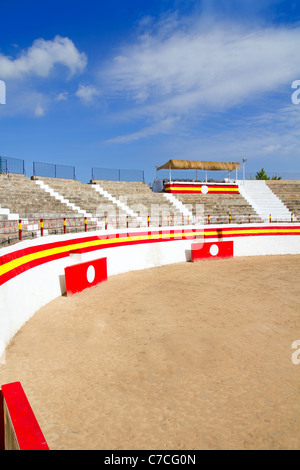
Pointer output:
x,y
214,250
90,274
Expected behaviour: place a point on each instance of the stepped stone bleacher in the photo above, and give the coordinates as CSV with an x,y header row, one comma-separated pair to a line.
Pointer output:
x,y
218,204
83,196
288,192
22,196
140,198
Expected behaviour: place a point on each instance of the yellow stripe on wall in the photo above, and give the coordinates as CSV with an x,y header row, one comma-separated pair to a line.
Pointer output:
x,y
197,189
151,236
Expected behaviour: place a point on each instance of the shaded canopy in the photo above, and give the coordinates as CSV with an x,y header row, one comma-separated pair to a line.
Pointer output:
x,y
196,165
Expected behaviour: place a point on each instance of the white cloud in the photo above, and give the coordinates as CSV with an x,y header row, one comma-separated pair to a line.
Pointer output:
x,y
87,93
165,126
41,57
270,139
25,101
39,111
62,96
185,68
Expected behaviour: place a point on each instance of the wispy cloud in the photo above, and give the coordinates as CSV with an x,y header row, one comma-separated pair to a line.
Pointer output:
x,y
271,137
188,67
87,93
165,126
63,96
39,111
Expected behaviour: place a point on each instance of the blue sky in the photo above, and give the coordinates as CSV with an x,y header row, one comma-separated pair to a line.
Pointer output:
x,y
132,84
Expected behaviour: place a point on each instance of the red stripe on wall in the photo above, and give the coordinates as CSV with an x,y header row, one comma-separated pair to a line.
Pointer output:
x,y
242,232
188,233
31,264
178,191
168,185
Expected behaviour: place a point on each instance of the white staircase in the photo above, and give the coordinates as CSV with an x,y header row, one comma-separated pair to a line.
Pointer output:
x,y
6,212
183,208
263,200
62,199
118,202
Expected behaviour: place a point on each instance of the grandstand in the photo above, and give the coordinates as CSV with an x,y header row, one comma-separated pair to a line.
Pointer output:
x,y
218,204
24,198
65,204
139,197
288,192
83,196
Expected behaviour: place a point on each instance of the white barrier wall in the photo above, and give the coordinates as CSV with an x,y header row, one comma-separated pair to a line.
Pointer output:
x,y
24,293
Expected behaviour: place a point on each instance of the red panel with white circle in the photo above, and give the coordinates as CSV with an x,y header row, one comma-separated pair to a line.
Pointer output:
x,y
81,276
211,250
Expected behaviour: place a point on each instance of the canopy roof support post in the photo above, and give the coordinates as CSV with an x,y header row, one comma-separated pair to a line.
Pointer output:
x,y
170,173
205,176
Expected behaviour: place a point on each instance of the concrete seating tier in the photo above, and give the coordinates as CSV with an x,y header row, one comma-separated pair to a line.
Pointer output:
x,y
288,192
23,196
139,197
83,196
217,204
116,188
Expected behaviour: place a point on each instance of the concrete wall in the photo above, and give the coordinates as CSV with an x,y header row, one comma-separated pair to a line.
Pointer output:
x,y
31,287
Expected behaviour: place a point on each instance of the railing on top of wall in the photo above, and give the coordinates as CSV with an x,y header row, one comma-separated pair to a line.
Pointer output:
x,y
12,165
13,231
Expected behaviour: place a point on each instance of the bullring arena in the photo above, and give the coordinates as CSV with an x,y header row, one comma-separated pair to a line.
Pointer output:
x,y
163,336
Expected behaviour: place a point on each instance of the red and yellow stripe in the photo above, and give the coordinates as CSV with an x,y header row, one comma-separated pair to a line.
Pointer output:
x,y
19,261
185,188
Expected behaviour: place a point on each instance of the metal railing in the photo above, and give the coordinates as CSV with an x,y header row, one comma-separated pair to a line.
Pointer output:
x,y
13,231
112,174
12,165
51,170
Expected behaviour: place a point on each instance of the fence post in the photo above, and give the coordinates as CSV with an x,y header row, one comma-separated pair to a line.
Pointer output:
x,y
105,222
208,219
249,217
270,218
85,224
230,218
20,230
148,221
42,227
65,225
292,217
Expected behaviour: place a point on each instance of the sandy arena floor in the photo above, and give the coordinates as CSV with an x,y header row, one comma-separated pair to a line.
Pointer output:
x,y
187,356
